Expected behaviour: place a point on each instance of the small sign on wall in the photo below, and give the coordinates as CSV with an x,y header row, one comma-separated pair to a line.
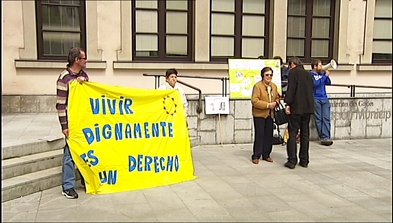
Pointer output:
x,y
216,105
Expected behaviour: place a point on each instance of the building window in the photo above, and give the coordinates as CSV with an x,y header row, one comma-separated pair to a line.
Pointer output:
x,y
162,30
239,29
310,29
60,26
382,41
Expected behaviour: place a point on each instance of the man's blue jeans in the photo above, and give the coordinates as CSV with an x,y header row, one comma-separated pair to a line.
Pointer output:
x,y
322,118
68,171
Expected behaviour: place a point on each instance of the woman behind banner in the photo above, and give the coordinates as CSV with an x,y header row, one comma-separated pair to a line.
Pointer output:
x,y
264,98
171,83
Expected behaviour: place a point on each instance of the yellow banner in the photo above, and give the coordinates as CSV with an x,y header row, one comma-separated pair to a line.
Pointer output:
x,y
126,138
244,73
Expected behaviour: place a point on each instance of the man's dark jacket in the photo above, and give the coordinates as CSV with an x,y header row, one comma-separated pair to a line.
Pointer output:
x,y
300,93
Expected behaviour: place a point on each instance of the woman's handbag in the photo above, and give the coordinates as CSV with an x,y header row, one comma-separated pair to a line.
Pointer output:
x,y
277,138
280,117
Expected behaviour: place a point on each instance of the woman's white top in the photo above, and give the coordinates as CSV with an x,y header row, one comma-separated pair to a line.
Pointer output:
x,y
166,86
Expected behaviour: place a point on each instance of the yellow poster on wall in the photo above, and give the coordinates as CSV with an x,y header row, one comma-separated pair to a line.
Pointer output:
x,y
126,138
244,73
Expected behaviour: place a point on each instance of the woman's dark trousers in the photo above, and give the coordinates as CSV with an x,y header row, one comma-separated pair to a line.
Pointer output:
x,y
263,137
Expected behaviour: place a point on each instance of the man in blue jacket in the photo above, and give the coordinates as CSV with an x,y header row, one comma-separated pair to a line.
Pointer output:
x,y
321,101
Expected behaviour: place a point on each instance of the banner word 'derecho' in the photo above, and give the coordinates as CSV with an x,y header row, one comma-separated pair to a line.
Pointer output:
x,y
126,138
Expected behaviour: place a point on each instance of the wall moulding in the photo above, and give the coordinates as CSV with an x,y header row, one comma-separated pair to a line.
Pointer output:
x,y
37,64
373,67
179,66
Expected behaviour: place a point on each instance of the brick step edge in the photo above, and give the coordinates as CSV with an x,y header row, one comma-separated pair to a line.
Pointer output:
x,y
31,163
30,148
20,186
194,141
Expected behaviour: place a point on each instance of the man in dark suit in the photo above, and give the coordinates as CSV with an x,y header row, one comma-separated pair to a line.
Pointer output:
x,y
299,100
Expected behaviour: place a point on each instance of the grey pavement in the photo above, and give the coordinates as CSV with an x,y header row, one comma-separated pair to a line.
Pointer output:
x,y
19,128
350,181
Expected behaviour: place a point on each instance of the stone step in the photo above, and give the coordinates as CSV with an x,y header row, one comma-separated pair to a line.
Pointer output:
x,y
20,150
37,169
195,141
26,184
31,163
33,147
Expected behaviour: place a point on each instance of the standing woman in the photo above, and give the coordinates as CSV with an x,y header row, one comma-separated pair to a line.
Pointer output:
x,y
264,98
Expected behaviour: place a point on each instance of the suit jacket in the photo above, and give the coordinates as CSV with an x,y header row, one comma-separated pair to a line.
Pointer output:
x,y
300,92
260,99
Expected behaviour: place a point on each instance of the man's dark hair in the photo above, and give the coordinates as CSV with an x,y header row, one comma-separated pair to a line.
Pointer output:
x,y
74,53
261,57
170,71
279,58
315,62
295,60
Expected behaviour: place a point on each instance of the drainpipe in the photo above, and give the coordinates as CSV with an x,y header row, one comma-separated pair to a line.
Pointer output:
x,y
364,32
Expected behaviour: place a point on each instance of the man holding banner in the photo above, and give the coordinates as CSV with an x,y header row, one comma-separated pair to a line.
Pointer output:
x,y
125,138
76,63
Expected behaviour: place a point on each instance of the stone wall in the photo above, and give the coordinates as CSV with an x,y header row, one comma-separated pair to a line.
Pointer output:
x,y
368,116
351,118
28,103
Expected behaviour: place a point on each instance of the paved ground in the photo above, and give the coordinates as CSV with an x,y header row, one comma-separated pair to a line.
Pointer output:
x,y
347,182
19,128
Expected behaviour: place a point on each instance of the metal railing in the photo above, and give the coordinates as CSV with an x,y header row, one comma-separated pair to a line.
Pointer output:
x,y
353,87
199,105
225,80
157,85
